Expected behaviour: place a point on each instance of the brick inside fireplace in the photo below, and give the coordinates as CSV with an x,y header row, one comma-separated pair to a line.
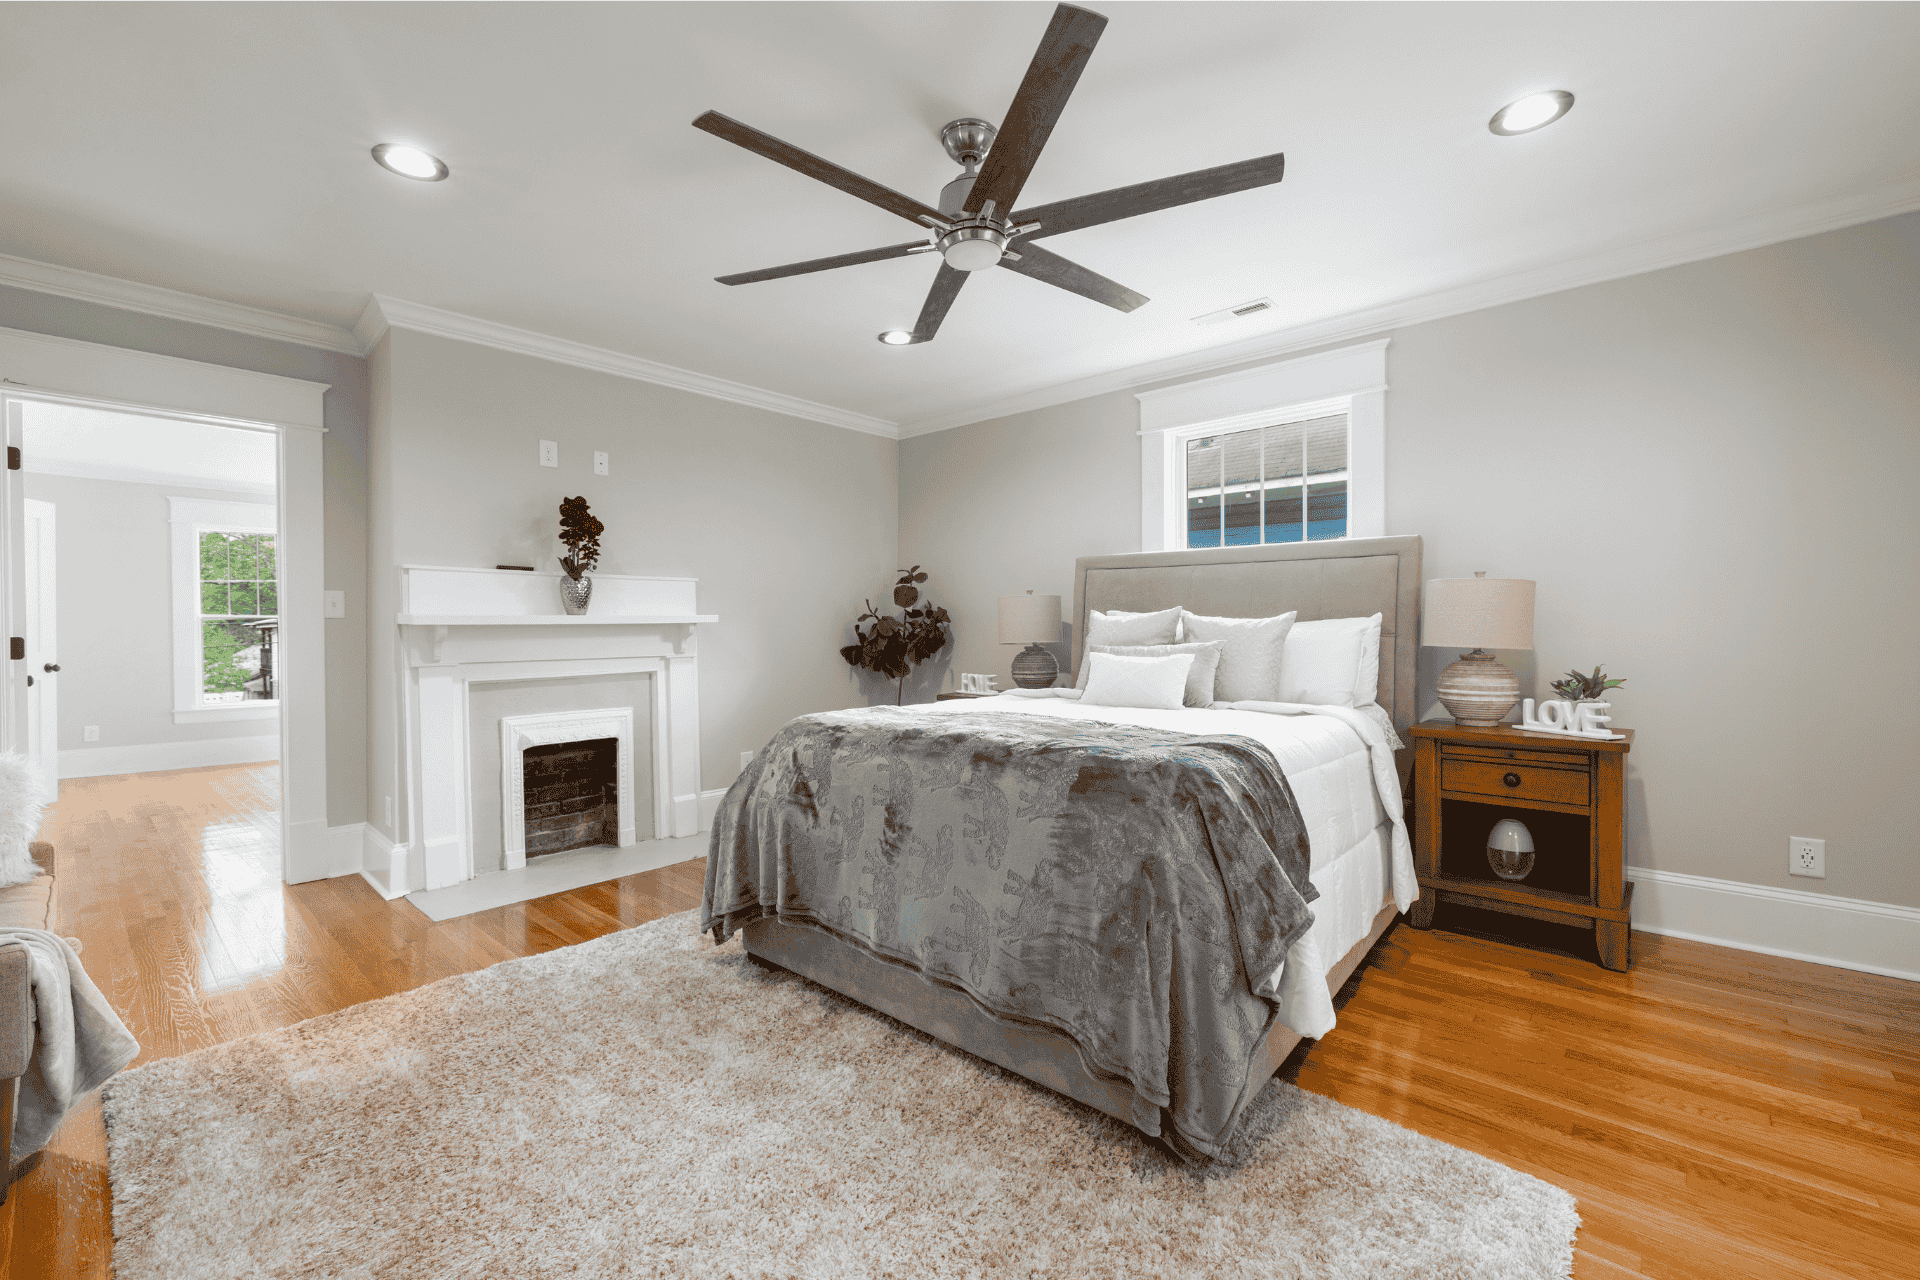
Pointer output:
x,y
571,795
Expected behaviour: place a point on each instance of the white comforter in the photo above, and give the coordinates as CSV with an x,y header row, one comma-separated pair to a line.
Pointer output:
x,y
1339,764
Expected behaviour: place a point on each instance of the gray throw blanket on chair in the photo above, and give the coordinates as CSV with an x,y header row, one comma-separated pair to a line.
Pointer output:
x,y
79,1042
1134,888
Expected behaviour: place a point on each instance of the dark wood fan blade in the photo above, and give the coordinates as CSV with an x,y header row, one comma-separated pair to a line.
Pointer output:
x,y
824,264
1146,197
946,287
1056,67
745,135
1045,265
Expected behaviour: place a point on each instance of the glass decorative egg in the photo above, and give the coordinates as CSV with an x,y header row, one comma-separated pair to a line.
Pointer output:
x,y
1510,849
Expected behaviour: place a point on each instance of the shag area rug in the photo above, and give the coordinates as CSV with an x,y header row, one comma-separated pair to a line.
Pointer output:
x,y
647,1104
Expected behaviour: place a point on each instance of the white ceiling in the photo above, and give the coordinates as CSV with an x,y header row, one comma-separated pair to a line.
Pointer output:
x,y
69,440
223,150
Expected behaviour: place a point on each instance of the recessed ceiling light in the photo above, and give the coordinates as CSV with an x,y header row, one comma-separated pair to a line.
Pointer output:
x,y
410,162
896,337
1535,111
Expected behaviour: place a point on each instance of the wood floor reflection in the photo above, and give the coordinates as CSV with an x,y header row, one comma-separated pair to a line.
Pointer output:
x,y
1717,1113
171,882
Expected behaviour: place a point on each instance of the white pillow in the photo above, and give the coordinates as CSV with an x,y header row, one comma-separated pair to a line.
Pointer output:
x,y
1133,628
1332,662
1250,667
1115,680
1206,662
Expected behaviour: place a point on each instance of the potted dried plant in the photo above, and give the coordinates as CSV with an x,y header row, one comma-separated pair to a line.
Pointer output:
x,y
893,647
581,532
1577,688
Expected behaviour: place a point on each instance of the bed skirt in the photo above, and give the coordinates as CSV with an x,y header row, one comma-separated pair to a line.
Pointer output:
x,y
1041,1055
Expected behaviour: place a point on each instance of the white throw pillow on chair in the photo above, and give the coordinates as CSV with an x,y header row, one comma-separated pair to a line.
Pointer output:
x,y
1114,680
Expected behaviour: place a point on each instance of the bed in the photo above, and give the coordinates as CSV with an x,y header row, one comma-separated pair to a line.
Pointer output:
x,y
1344,776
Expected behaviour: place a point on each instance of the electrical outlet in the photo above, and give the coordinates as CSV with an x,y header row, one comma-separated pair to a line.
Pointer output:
x,y
549,453
599,464
91,733
391,829
336,604
746,758
1807,857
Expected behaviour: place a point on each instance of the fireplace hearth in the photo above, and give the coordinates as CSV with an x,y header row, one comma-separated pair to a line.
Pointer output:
x,y
572,800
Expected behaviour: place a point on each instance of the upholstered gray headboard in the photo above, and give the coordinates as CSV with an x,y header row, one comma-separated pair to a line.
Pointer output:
x,y
1349,578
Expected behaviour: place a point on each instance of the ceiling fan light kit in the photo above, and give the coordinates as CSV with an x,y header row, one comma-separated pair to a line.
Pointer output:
x,y
978,218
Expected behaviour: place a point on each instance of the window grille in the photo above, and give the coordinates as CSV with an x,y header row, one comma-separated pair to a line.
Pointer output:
x,y
1281,483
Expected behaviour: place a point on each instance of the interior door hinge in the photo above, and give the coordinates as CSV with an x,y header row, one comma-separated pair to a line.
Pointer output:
x,y
13,457
19,648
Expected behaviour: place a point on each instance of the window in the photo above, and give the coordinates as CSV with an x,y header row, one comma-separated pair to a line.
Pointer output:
x,y
1281,483
1293,451
226,611
239,608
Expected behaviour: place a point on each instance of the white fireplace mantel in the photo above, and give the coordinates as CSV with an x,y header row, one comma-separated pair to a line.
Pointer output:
x,y
460,626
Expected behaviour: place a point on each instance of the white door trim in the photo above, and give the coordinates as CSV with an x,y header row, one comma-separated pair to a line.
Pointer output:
x,y
36,367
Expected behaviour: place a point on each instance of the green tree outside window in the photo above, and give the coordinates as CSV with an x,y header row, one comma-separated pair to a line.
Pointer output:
x,y
237,588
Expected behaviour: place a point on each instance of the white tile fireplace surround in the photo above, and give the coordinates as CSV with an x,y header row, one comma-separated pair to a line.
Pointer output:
x,y
461,627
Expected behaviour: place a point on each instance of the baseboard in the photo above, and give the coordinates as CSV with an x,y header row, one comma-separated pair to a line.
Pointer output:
x,y
383,864
152,757
1849,933
709,805
346,850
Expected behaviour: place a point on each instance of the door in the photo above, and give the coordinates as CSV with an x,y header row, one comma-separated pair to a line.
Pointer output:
x,y
43,647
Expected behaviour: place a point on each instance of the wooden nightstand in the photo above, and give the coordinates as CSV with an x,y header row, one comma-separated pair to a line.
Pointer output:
x,y
948,697
1572,795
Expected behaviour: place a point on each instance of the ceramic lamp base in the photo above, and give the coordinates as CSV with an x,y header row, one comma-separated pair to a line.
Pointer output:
x,y
1478,690
1035,668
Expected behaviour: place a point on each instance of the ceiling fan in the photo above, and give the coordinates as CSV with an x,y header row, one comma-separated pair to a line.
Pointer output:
x,y
977,220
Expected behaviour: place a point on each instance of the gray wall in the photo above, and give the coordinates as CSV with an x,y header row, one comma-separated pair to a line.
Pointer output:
x,y
344,457
788,524
114,604
1708,471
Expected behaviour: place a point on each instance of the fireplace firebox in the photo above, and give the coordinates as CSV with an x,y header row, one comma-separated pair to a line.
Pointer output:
x,y
572,800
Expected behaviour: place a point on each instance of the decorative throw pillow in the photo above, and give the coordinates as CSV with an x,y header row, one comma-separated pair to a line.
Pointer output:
x,y
1206,662
1332,662
1115,680
1250,666
1133,628
19,819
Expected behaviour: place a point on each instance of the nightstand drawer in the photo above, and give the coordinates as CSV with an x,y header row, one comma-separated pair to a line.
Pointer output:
x,y
1513,780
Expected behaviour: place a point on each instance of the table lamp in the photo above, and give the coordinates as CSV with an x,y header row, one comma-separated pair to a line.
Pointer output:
x,y
1484,613
1033,621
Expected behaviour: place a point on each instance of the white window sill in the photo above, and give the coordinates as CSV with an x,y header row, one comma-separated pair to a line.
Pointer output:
x,y
237,711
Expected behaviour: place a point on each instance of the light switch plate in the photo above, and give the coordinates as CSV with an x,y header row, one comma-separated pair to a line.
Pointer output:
x,y
549,453
599,464
336,606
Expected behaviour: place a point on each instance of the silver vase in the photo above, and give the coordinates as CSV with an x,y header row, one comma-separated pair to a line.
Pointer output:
x,y
575,593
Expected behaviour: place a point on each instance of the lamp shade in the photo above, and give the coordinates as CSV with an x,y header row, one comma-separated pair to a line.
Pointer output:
x,y
1029,619
1478,613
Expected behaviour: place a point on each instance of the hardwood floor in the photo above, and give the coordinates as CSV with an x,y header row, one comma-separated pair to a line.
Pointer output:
x,y
1717,1113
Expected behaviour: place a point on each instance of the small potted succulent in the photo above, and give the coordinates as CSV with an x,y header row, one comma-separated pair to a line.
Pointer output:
x,y
893,647
581,532
1577,688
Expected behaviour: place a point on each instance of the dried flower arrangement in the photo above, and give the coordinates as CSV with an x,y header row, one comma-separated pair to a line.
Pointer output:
x,y
581,532
1583,688
894,647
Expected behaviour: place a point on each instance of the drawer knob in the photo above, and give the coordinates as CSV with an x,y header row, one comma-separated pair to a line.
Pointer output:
x,y
1511,779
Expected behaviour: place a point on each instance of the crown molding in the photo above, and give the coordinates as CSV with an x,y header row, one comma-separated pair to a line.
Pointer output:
x,y
1596,268
171,304
383,313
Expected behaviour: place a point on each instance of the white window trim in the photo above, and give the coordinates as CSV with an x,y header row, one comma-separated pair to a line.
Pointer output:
x,y
189,517
1353,379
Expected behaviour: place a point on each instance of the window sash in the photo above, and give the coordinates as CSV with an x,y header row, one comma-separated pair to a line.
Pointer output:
x,y
1209,508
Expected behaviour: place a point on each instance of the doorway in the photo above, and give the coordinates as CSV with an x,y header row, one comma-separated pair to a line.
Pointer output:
x,y
282,417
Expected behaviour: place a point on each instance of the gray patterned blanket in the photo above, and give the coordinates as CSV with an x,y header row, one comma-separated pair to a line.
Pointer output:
x,y
1133,888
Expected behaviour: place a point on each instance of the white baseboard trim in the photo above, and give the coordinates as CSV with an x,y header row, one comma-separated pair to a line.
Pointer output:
x,y
709,805
1850,933
346,850
383,863
152,757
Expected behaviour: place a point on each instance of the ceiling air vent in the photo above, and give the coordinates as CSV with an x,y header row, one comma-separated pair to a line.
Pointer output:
x,y
1240,312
